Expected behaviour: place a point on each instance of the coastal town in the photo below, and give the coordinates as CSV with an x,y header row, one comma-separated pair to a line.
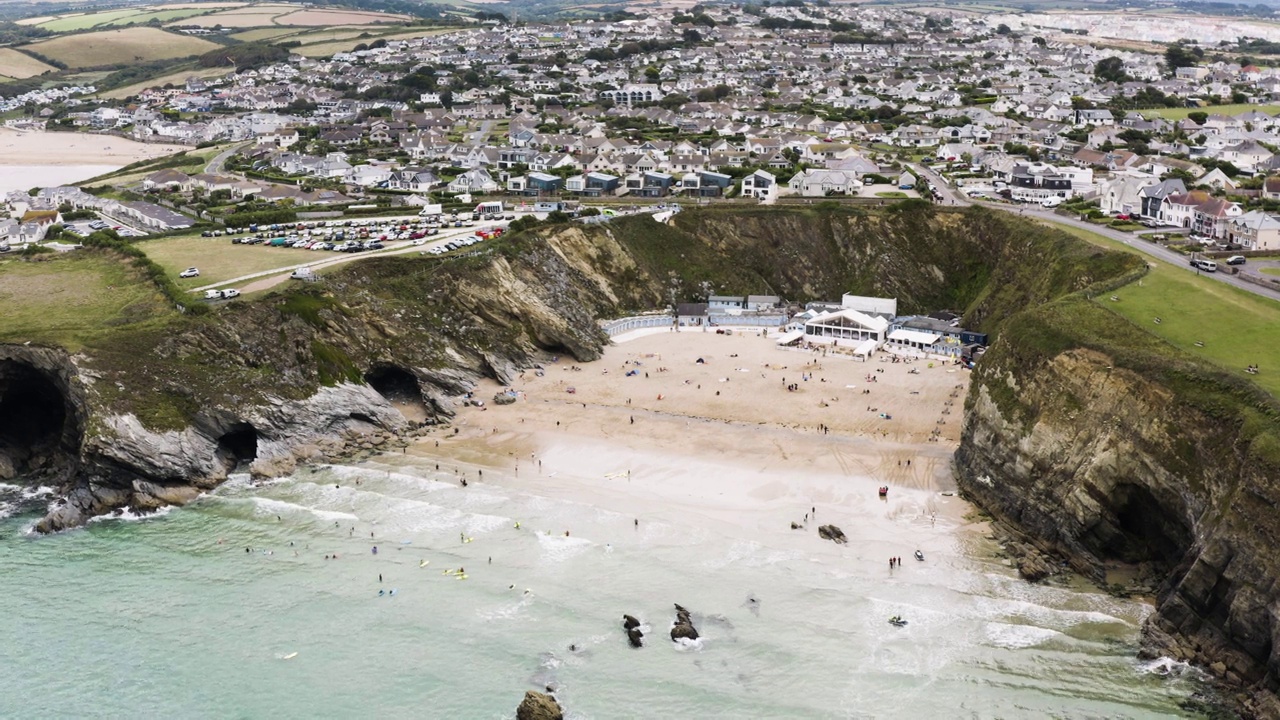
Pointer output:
x,y
404,358
783,103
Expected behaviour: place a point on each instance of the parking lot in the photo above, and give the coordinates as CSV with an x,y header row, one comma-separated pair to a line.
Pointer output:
x,y
251,254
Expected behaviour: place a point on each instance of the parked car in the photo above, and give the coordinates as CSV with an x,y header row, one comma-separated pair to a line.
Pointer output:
x,y
301,274
230,293
212,294
1236,260
189,273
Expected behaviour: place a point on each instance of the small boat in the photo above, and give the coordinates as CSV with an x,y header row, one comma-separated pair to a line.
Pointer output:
x,y
920,556
897,621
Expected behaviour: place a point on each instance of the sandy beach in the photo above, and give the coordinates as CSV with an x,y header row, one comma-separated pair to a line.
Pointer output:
x,y
61,148
725,438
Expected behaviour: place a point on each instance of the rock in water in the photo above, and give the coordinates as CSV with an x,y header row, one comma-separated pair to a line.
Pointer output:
x,y
537,706
634,635
684,626
832,533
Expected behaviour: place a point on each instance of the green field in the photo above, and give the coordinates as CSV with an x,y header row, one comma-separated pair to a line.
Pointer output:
x,y
1269,270
84,22
1181,113
1235,328
159,15
69,299
219,260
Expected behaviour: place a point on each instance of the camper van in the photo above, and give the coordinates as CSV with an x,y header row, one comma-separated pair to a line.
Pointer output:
x,y
489,207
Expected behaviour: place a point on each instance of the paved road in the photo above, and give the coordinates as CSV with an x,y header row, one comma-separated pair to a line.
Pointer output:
x,y
952,198
215,165
479,137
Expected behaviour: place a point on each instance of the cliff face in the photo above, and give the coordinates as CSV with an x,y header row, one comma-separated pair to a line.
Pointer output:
x,y
1126,457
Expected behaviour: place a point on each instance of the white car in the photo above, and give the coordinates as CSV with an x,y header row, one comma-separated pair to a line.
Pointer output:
x,y
420,241
230,293
189,273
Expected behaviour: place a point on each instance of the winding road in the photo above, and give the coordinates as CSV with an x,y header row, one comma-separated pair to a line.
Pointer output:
x,y
952,198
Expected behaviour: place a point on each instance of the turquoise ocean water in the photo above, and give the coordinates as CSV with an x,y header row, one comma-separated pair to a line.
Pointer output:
x,y
170,616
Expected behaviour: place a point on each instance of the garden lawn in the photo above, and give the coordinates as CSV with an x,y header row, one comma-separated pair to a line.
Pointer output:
x,y
1182,113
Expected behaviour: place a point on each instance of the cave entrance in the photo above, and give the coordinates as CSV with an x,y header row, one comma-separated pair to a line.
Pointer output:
x,y
400,387
38,434
1148,530
238,446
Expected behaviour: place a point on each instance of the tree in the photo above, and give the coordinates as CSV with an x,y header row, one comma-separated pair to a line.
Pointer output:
x,y
1178,56
1198,117
691,36
1110,69
1003,29
1037,40
651,73
673,101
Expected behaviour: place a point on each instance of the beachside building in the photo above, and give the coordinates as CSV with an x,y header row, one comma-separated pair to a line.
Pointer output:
x,y
850,326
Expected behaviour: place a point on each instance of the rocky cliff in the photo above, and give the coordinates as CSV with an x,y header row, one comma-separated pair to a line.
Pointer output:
x,y
1140,466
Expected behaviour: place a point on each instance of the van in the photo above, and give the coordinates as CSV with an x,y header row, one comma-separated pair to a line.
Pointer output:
x,y
301,274
1205,265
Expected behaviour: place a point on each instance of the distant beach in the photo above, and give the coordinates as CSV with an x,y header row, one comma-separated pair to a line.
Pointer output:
x,y
25,177
37,159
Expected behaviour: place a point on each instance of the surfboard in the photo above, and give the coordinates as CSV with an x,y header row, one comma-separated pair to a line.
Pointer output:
x,y
290,656
424,563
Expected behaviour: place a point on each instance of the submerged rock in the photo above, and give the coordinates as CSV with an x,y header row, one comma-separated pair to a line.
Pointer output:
x,y
684,626
537,706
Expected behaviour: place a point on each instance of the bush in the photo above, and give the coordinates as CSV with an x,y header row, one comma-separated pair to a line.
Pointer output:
x,y
261,217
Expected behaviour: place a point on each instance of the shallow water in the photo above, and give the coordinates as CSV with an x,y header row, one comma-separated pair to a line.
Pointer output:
x,y
170,617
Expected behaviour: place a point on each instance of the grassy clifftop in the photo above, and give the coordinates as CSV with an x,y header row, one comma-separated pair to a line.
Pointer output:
x,y
986,265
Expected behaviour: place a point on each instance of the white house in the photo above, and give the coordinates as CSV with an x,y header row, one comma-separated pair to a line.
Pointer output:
x,y
818,183
760,185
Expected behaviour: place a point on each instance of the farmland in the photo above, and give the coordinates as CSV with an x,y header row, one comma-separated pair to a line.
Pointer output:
x,y
118,47
14,64
258,16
